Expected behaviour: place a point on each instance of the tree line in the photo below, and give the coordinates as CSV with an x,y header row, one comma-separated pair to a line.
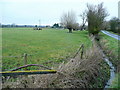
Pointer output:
x,y
95,16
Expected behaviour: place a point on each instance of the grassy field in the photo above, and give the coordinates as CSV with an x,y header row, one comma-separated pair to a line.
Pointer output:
x,y
41,46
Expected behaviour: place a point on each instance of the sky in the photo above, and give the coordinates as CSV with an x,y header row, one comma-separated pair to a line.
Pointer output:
x,y
47,12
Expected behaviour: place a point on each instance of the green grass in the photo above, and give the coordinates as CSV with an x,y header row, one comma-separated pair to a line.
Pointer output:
x,y
114,33
115,82
45,45
112,49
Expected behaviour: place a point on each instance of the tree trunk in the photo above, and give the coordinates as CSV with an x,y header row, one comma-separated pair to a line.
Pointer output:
x,y
70,30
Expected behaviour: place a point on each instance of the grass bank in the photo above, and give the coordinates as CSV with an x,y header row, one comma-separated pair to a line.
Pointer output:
x,y
113,32
116,81
112,49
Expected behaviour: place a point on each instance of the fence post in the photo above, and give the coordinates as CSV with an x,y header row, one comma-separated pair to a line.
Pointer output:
x,y
78,51
25,63
82,51
25,60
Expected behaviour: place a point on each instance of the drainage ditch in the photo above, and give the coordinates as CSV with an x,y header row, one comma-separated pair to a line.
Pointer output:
x,y
112,72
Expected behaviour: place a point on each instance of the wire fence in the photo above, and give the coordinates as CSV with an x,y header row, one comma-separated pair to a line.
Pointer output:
x,y
27,59
26,72
69,47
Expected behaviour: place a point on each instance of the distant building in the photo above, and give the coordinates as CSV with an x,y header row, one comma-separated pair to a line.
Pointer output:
x,y
119,9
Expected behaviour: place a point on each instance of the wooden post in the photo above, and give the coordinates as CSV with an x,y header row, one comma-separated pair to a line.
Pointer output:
x,y
25,60
78,51
82,51
25,63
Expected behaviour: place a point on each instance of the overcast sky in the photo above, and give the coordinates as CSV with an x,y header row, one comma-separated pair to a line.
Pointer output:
x,y
47,11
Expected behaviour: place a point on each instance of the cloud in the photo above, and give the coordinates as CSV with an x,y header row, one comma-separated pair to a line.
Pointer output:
x,y
29,11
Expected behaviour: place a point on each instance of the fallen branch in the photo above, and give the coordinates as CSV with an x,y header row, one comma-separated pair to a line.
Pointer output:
x,y
30,65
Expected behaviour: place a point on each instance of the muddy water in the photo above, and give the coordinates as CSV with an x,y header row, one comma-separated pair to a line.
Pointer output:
x,y
112,72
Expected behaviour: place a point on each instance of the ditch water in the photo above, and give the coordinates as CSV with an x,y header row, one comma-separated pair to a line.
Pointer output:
x,y
112,68
112,72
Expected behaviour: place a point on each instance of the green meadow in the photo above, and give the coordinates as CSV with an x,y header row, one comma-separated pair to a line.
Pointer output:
x,y
55,45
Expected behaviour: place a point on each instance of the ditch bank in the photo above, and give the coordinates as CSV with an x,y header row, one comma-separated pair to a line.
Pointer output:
x,y
111,68
112,72
111,48
89,72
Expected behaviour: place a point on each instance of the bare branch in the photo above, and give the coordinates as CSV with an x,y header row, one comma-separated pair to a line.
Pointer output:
x,y
68,20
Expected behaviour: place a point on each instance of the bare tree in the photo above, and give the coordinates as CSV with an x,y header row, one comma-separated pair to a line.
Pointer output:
x,y
84,20
96,15
76,26
105,25
68,20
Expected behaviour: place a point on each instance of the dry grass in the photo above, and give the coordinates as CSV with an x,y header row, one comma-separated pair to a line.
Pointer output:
x,y
76,73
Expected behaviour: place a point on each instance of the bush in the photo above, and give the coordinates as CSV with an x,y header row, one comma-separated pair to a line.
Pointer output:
x,y
37,28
